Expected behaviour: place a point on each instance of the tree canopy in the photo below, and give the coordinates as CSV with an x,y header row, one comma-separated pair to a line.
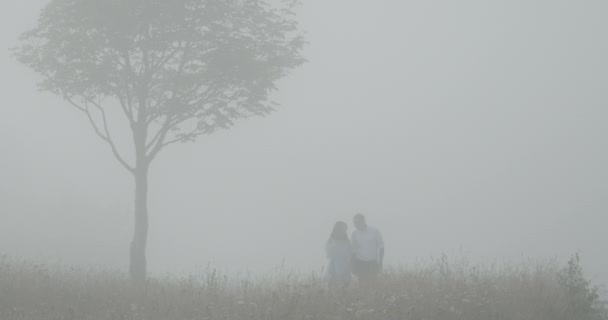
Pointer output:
x,y
176,68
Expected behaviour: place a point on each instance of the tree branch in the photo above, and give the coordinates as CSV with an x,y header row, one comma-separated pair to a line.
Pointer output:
x,y
167,55
105,137
171,122
165,127
129,74
158,145
124,105
161,143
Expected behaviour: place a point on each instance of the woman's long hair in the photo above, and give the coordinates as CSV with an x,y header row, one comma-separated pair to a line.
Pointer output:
x,y
339,233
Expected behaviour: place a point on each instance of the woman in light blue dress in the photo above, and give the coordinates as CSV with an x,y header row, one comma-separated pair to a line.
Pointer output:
x,y
340,254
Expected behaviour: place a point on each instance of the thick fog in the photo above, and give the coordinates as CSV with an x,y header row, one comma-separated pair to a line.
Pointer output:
x,y
471,128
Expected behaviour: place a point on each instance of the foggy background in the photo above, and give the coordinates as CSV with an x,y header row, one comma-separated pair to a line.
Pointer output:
x,y
473,128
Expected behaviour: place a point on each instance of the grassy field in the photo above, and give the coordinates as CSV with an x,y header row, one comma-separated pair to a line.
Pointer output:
x,y
437,290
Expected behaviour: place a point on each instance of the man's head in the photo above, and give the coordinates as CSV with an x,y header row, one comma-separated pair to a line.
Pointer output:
x,y
359,222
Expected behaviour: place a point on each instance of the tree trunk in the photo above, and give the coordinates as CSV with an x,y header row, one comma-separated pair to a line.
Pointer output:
x,y
137,266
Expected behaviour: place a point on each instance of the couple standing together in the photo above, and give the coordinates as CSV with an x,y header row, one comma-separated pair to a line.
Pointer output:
x,y
362,255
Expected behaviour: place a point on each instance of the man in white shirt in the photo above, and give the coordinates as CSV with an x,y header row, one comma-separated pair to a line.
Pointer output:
x,y
368,249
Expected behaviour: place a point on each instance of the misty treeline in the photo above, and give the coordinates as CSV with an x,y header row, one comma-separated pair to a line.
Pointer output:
x,y
159,72
441,289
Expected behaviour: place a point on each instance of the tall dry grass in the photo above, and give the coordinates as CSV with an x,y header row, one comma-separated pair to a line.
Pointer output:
x,y
436,290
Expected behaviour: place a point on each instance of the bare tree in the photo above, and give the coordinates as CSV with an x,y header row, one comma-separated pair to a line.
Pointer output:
x,y
174,69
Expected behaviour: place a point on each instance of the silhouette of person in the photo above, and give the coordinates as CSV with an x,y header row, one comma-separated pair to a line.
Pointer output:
x,y
368,248
339,253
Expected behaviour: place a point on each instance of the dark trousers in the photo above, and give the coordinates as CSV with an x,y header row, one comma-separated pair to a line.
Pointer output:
x,y
366,271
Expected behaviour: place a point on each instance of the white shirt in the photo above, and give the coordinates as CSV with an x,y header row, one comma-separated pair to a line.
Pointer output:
x,y
367,243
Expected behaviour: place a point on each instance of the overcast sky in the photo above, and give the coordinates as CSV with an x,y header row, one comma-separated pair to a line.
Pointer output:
x,y
473,128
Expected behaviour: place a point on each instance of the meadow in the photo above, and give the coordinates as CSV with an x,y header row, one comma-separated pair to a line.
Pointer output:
x,y
437,290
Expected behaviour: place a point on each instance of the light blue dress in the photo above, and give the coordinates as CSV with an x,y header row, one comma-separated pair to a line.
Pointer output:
x,y
339,268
